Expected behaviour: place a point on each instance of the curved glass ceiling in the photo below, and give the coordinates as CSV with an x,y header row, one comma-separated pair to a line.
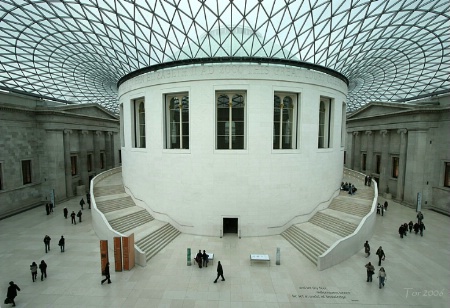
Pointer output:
x,y
77,50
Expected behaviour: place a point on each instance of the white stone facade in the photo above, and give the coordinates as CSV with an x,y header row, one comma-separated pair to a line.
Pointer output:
x,y
266,189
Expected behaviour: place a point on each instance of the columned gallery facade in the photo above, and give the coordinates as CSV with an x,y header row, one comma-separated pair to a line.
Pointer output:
x,y
48,148
405,148
242,148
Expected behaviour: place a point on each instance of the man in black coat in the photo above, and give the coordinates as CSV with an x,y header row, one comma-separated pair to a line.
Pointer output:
x,y
12,292
219,272
381,255
47,243
106,273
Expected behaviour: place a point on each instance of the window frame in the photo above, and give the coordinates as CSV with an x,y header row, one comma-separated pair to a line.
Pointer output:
x,y
231,94
102,160
363,161
183,138
27,171
73,164
395,163
325,120
139,138
89,161
447,174
377,163
295,121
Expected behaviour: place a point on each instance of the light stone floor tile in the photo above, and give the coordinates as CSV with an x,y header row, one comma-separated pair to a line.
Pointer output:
x,y
418,268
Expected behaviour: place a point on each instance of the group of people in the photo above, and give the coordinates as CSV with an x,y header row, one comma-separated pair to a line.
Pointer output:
x,y
382,208
417,227
348,187
49,208
370,269
42,267
73,215
61,243
202,259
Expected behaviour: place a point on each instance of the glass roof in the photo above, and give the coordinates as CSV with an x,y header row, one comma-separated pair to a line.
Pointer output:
x,y
77,50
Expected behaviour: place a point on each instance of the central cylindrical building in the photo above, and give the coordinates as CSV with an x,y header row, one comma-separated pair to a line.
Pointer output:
x,y
245,148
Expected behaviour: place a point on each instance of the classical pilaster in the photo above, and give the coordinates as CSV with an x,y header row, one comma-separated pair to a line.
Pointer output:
x,y
84,177
97,135
108,152
67,163
349,152
384,175
369,162
357,152
401,165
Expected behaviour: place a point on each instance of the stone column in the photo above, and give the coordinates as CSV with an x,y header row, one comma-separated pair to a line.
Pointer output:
x,y
113,151
357,152
84,177
97,136
108,152
401,165
369,162
349,152
67,163
384,164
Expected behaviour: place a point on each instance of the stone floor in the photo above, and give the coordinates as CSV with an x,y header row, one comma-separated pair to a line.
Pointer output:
x,y
418,268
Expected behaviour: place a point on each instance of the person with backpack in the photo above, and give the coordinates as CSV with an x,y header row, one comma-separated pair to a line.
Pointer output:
x,y
370,271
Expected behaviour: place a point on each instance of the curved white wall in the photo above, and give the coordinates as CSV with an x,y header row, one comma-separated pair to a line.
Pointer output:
x,y
262,187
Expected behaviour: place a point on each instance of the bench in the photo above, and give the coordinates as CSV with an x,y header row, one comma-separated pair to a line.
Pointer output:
x,y
259,257
210,257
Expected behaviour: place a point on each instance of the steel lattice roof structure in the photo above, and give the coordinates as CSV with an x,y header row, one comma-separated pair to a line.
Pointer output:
x,y
77,50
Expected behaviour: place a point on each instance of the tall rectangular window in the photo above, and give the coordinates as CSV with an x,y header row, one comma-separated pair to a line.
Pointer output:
x,y
325,116
363,162
177,121
1,176
139,140
102,160
89,162
73,164
446,174
26,171
230,115
395,167
285,121
377,164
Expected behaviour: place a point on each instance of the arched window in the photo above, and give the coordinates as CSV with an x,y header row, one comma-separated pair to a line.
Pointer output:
x,y
177,121
284,121
230,121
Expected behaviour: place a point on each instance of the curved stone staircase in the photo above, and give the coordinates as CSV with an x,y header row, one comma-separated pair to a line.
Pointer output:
x,y
339,220
125,217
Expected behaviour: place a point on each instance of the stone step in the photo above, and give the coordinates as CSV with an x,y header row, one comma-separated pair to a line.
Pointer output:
x,y
349,208
333,224
307,244
156,241
108,190
131,221
115,205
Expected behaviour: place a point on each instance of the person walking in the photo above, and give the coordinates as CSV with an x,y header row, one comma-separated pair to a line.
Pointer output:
x,y
82,203
385,205
88,199
61,243
367,248
12,293
381,255
47,243
73,218
419,217
66,212
381,277
79,214
421,228
370,271
205,258
47,208
410,225
106,273
43,268
401,230
33,269
219,272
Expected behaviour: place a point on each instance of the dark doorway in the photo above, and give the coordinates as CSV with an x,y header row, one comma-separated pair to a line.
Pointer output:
x,y
230,225
90,179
